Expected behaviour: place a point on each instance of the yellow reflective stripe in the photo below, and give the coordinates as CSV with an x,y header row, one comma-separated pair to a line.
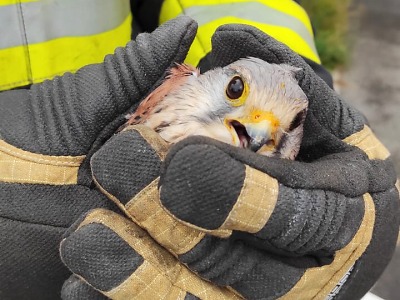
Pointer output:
x,y
302,43
34,63
202,43
198,50
14,64
10,2
172,8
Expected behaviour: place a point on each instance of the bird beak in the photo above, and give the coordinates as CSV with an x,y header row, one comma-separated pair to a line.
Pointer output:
x,y
257,131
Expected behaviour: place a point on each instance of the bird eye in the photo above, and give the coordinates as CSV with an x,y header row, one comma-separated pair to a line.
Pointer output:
x,y
237,91
235,88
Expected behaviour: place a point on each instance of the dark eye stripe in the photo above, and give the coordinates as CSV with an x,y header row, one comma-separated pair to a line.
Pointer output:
x,y
297,120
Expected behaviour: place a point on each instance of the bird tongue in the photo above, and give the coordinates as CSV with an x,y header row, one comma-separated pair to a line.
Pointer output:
x,y
242,134
244,142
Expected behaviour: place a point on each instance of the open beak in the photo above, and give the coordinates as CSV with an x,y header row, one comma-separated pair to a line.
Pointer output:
x,y
255,132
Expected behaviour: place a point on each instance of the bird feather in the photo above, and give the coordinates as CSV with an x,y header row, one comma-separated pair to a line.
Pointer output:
x,y
175,78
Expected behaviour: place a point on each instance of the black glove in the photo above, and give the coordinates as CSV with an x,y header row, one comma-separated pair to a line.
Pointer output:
x,y
255,227
48,134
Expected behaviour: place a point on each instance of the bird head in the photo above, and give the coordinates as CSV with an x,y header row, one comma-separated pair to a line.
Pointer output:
x,y
250,104
268,107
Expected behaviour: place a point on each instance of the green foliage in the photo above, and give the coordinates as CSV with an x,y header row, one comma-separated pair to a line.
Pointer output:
x,y
330,19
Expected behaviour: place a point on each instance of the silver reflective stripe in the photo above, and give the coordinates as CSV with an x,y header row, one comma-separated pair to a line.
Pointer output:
x,y
11,26
35,22
252,11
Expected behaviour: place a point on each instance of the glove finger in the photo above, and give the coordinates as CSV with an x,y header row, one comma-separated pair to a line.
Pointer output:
x,y
120,260
127,169
65,115
349,172
128,162
217,187
330,111
76,289
260,274
252,273
271,273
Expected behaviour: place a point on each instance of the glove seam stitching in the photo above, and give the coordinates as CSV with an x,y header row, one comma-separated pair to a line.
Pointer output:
x,y
33,223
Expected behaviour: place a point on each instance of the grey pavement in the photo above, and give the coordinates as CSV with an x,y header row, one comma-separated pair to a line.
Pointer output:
x,y
371,83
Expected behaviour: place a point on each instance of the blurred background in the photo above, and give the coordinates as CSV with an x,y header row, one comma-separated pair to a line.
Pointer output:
x,y
359,41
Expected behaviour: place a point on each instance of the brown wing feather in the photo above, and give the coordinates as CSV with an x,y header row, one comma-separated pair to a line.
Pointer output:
x,y
175,77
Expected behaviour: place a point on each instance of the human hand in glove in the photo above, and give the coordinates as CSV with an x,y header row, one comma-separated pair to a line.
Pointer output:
x,y
229,223
48,134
